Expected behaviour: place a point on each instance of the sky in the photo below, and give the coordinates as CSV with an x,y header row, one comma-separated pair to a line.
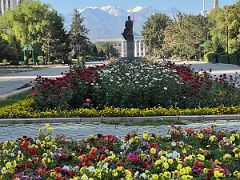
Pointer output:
x,y
187,6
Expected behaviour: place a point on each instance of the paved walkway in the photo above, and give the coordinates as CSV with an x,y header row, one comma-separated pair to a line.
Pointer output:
x,y
82,130
9,82
217,69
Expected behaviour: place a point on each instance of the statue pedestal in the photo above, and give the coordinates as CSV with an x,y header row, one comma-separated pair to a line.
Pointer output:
x,y
130,49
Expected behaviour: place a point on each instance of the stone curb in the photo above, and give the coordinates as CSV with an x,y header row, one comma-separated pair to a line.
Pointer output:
x,y
5,96
199,119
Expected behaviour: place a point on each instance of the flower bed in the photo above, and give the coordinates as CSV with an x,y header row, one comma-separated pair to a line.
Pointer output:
x,y
24,109
134,84
182,154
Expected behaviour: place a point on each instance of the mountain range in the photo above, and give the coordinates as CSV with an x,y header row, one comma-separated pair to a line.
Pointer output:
x,y
108,21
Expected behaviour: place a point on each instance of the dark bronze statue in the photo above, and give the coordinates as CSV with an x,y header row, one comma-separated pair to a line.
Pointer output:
x,y
128,31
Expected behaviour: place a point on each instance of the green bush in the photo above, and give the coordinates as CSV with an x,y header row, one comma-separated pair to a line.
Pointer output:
x,y
223,59
211,57
233,59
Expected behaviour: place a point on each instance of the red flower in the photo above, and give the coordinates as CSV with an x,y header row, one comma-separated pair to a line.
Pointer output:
x,y
102,157
84,75
31,151
72,174
29,165
25,144
88,101
58,169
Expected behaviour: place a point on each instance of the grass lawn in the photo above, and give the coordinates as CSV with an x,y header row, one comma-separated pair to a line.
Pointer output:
x,y
13,99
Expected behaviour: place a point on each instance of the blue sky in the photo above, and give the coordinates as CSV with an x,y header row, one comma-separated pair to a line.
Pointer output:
x,y
187,6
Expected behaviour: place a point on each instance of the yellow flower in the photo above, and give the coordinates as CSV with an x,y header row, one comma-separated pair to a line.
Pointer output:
x,y
153,151
179,166
200,157
212,138
165,165
128,173
170,161
53,174
167,174
49,130
3,171
205,170
115,173
47,138
188,170
155,177
227,157
201,136
182,171
158,162
236,156
47,125
84,177
217,174
145,135
8,165
232,138
120,168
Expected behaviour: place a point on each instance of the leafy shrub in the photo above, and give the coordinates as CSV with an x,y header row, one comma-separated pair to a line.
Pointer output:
x,y
138,83
69,91
135,84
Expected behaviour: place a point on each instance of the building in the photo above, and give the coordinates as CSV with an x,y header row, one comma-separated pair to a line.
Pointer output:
x,y
7,5
216,4
121,45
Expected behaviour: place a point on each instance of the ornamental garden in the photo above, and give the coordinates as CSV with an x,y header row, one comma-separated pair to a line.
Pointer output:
x,y
125,87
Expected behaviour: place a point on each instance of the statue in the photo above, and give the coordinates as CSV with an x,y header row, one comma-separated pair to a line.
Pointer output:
x,y
128,36
128,31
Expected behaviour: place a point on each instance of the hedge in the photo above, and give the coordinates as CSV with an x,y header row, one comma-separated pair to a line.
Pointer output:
x,y
223,58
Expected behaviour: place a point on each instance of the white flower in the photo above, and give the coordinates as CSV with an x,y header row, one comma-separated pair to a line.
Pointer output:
x,y
66,167
90,168
136,174
165,88
143,175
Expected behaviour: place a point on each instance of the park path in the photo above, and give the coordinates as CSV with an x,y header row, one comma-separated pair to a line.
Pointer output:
x,y
9,82
217,69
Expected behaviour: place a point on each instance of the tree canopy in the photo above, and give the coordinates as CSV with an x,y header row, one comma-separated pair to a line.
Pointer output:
x,y
153,32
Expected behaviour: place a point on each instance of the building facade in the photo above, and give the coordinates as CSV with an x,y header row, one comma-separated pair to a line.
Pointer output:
x,y
7,5
139,47
120,45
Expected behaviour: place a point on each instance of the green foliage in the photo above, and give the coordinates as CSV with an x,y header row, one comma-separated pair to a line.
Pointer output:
x,y
8,52
185,35
25,22
78,35
225,24
137,83
106,49
153,32
13,99
55,42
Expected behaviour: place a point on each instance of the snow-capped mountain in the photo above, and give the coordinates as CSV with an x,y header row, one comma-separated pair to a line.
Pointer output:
x,y
109,21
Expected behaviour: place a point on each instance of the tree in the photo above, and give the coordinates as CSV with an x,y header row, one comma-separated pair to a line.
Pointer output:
x,y
8,52
153,32
25,22
225,25
185,35
55,42
78,35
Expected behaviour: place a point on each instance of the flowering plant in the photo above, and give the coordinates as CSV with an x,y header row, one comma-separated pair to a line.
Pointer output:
x,y
182,154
